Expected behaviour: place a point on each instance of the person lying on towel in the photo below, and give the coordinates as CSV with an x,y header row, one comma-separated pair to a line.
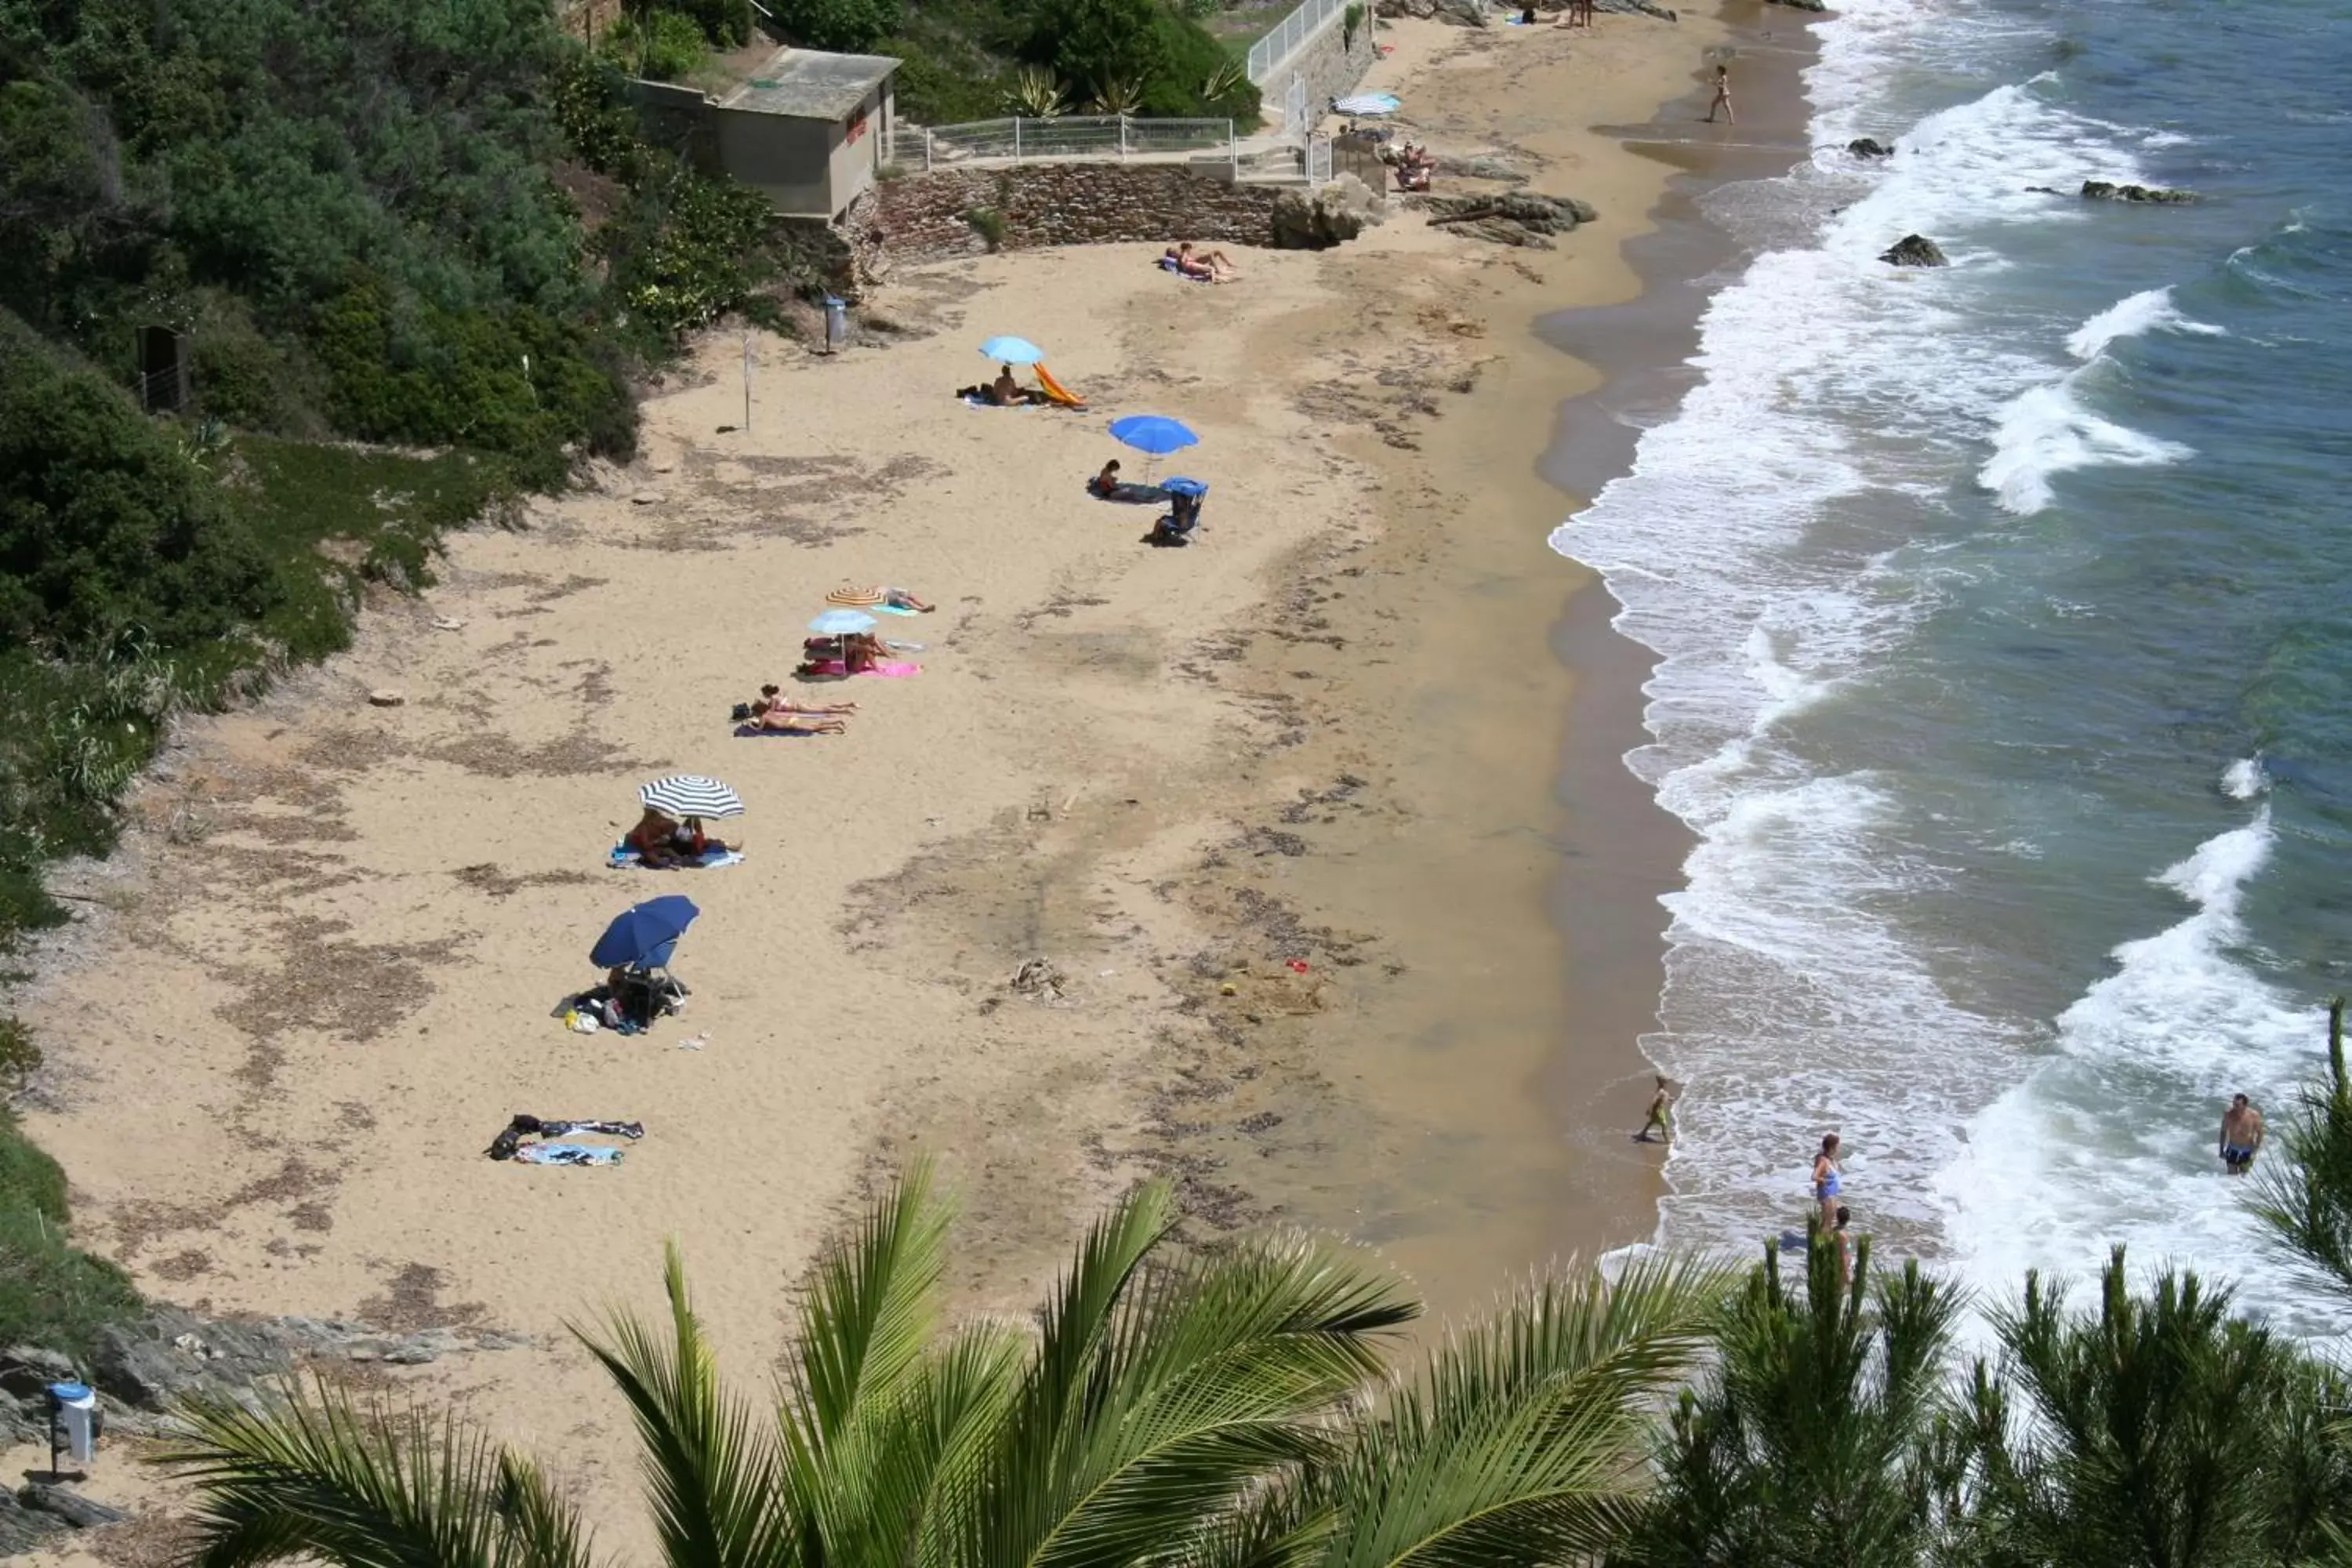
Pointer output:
x,y
654,838
1213,265
786,716
1004,392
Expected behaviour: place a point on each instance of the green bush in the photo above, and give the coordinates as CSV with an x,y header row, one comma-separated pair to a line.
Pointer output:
x,y
1099,45
661,46
855,25
989,224
50,1295
727,24
106,523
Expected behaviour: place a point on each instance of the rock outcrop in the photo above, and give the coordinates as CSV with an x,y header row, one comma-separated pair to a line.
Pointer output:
x,y
1801,4
1913,250
1514,217
1636,8
1461,12
2104,191
1338,212
1480,169
1869,147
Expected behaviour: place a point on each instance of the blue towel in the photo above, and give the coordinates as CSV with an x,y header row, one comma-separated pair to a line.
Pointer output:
x,y
623,856
892,610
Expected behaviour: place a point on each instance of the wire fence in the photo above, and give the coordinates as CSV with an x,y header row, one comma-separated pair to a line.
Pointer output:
x,y
1318,161
1292,30
1021,140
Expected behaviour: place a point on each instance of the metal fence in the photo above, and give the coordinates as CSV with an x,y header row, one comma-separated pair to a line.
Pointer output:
x,y
1021,140
1292,31
1318,161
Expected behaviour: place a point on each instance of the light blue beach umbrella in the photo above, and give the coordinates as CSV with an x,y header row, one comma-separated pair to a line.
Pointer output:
x,y
1012,350
1153,433
842,623
1368,105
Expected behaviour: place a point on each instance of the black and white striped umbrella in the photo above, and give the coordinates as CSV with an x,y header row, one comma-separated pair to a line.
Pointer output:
x,y
690,795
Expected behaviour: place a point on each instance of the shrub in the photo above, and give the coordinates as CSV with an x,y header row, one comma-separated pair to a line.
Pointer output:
x,y
661,46
106,523
727,24
855,25
50,1295
989,224
20,1058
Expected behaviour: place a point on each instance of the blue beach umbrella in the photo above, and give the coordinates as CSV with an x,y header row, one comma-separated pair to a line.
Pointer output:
x,y
842,623
645,935
1012,350
1153,433
1366,105
1178,485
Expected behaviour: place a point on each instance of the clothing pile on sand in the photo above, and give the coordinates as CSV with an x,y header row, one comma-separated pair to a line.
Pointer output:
x,y
548,1145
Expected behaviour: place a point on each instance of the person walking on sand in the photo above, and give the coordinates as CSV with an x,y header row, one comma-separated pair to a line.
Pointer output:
x,y
2242,1136
1660,1118
1826,1179
1722,98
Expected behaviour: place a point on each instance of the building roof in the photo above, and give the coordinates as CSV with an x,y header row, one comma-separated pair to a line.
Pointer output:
x,y
809,84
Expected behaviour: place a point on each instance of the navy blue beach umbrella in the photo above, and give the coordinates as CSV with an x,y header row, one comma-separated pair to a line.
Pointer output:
x,y
645,935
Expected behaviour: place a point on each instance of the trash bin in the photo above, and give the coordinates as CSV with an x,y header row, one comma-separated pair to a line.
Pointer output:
x,y
73,1421
836,324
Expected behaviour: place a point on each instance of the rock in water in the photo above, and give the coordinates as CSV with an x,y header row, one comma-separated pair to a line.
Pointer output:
x,y
2103,191
1869,147
1913,250
1801,4
1338,212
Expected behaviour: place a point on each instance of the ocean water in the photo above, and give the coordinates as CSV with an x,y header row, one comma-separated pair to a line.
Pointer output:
x,y
2004,616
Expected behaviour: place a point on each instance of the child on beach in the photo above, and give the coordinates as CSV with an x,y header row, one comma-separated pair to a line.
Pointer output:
x,y
1660,1118
1722,98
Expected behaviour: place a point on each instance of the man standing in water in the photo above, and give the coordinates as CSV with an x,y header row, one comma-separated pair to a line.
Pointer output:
x,y
1660,1118
2242,1136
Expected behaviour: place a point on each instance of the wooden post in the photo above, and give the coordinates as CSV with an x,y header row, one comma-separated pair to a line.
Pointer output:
x,y
1232,153
747,383
1016,139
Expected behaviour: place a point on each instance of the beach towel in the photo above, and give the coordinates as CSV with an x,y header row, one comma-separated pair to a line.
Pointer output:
x,y
565,1154
970,401
894,669
1132,494
754,733
892,610
710,859
1167,264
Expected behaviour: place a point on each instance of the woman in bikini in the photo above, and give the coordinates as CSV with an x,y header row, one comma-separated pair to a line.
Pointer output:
x,y
775,712
1722,98
1825,1180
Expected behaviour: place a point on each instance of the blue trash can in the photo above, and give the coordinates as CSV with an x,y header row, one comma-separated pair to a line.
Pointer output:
x,y
836,324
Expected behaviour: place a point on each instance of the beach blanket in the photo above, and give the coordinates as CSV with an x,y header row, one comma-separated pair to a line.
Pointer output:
x,y
893,670
970,401
754,733
892,610
1167,264
1132,494
622,854
565,1154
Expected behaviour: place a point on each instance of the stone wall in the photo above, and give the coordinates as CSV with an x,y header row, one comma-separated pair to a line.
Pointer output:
x,y
1333,61
917,217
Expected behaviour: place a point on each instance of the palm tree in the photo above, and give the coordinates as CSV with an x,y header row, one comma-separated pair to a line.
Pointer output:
x,y
1813,1443
1165,1407
2303,1192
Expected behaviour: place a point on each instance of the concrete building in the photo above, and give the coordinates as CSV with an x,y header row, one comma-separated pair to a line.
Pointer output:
x,y
807,129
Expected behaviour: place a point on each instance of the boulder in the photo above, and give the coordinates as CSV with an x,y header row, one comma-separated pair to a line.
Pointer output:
x,y
1480,169
1418,10
71,1506
2103,191
1461,12
1636,8
1913,250
1513,217
23,1529
26,1371
1336,211
1801,4
1869,147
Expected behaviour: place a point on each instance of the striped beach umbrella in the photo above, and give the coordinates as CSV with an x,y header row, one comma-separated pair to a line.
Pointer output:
x,y
855,598
690,795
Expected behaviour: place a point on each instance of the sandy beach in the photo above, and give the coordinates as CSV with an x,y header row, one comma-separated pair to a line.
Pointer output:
x,y
322,970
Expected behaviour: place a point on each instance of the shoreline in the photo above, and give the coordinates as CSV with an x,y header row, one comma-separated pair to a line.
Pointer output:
x,y
1616,831
1332,733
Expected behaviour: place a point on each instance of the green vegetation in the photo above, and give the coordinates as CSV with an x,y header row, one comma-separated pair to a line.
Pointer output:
x,y
1236,1409
974,59
50,1295
1165,1407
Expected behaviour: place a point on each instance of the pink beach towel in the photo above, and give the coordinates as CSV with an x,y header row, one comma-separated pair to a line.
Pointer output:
x,y
893,670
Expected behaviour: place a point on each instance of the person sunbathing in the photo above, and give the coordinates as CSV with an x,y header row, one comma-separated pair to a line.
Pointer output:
x,y
654,838
693,843
1107,482
900,599
773,701
1213,265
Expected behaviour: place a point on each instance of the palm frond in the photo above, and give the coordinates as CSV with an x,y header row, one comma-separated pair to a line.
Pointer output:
x,y
372,1488
713,1480
1518,1441
871,1305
